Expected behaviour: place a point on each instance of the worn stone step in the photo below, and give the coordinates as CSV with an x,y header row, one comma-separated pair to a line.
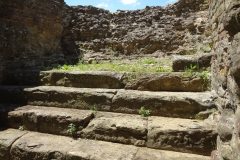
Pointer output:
x,y
180,62
175,81
183,135
47,119
23,145
170,104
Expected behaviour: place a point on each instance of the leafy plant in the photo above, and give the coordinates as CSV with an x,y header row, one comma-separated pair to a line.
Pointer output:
x,y
161,69
190,71
22,128
66,67
71,129
94,110
204,74
144,112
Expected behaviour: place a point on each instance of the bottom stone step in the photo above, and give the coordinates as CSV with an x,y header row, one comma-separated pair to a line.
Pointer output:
x,y
175,134
23,145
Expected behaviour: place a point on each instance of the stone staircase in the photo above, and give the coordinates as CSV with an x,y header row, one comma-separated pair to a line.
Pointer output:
x,y
104,108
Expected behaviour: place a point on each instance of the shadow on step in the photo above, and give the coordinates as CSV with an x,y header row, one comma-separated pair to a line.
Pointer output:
x,y
4,110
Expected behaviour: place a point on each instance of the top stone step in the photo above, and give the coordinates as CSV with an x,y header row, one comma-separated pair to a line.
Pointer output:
x,y
175,81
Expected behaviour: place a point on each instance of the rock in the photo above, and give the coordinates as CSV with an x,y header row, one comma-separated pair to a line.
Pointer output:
x,y
41,146
89,79
7,138
168,104
151,154
116,127
49,119
180,63
181,135
33,36
94,149
173,104
168,82
226,125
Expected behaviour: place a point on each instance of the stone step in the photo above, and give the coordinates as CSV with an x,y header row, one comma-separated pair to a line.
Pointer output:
x,y
175,81
170,104
23,145
182,135
181,62
175,134
46,119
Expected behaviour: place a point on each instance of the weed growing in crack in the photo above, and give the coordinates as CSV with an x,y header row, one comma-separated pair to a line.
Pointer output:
x,y
71,129
204,74
22,128
144,112
190,71
94,110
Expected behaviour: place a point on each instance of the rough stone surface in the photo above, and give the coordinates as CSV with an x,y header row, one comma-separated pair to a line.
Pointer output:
x,y
168,82
151,154
7,138
223,27
38,146
31,33
173,104
49,119
90,79
167,104
100,35
97,150
116,127
192,136
180,63
113,80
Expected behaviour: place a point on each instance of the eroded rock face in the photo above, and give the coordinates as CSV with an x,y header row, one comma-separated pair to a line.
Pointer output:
x,y
30,33
174,29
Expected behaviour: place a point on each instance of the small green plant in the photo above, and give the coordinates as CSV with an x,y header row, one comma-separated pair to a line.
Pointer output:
x,y
161,69
22,128
94,110
198,117
71,129
205,74
66,67
190,71
144,112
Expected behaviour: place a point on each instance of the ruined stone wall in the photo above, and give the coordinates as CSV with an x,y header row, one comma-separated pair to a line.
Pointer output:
x,y
174,29
225,27
30,33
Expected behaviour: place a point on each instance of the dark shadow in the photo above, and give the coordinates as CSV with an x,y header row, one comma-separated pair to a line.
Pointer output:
x,y
4,110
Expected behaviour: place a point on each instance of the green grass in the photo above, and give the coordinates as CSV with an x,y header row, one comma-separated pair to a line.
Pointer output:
x,y
140,66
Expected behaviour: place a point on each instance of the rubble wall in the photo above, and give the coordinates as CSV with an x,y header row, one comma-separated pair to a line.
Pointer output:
x,y
224,25
31,33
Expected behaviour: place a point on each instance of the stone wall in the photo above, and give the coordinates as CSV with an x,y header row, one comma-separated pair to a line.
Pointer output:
x,y
160,31
30,33
225,27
